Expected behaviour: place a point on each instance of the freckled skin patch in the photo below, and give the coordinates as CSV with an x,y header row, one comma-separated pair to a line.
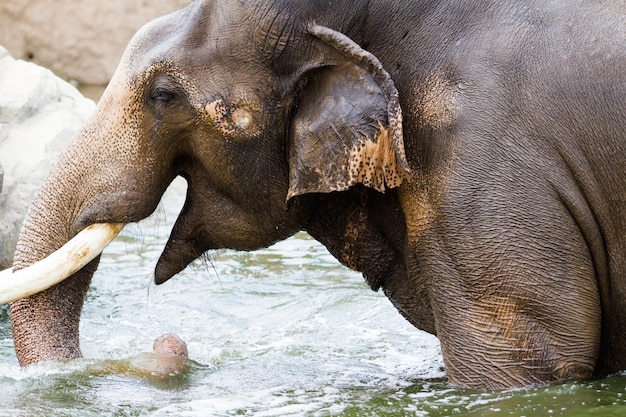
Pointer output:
x,y
437,104
242,118
374,163
215,110
230,118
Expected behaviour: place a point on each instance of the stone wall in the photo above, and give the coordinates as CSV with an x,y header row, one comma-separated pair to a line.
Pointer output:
x,y
81,40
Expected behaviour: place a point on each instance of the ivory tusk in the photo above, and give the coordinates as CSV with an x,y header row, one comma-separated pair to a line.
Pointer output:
x,y
67,260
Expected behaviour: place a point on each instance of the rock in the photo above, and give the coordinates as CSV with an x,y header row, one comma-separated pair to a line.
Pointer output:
x,y
170,344
169,357
165,366
39,114
81,39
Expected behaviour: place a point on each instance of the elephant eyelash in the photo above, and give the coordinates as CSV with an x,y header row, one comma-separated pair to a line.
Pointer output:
x,y
163,90
162,95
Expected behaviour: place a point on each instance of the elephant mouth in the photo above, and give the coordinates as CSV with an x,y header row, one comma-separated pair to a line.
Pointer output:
x,y
63,263
187,241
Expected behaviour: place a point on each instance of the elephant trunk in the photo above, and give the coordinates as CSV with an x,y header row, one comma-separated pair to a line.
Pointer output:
x,y
111,172
45,325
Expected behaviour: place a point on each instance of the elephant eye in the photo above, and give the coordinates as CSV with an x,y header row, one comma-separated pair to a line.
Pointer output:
x,y
162,95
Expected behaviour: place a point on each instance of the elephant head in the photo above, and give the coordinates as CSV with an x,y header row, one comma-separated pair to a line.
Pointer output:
x,y
253,105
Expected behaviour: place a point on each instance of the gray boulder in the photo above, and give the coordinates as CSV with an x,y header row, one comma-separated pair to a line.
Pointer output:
x,y
39,114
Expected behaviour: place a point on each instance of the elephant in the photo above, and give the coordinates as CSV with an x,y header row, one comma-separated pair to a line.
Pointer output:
x,y
467,157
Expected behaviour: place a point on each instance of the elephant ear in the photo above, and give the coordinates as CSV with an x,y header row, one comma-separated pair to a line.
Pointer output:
x,y
348,125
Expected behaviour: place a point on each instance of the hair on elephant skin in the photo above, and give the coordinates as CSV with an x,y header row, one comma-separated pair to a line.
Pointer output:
x,y
468,157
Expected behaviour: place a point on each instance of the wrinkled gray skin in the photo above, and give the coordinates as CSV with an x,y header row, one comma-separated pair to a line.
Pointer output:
x,y
503,231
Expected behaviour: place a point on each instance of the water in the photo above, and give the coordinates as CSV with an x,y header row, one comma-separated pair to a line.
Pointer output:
x,y
285,331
